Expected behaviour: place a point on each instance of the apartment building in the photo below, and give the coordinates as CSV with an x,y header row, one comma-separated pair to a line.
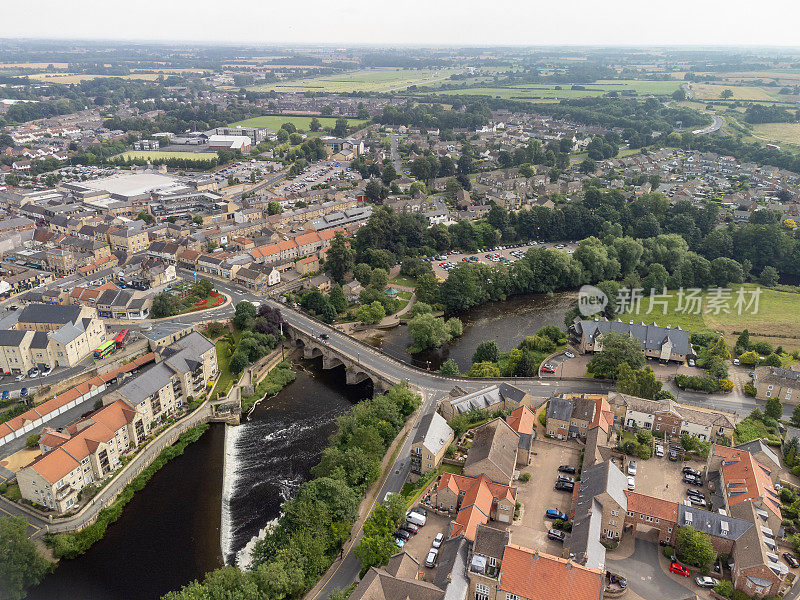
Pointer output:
x,y
48,335
503,396
430,443
128,240
664,343
493,452
474,501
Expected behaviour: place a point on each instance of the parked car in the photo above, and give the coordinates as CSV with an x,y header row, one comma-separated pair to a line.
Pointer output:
x,y
437,541
410,528
567,469
659,450
565,478
402,534
23,392
430,560
618,579
632,467
631,483
399,542
420,511
691,362
5,395
691,471
548,368
563,486
569,354
701,502
706,582
556,534
416,518
791,560
673,455
552,513
692,480
46,371
19,377
736,361
694,492
679,569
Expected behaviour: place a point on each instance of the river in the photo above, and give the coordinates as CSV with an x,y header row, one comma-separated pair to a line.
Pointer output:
x,y
508,323
215,497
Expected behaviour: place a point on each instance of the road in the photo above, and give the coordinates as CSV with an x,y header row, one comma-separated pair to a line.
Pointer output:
x,y
715,126
645,575
395,154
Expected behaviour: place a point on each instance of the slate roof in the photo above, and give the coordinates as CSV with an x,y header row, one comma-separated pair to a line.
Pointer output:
x,y
496,443
712,523
652,336
49,313
433,432
559,408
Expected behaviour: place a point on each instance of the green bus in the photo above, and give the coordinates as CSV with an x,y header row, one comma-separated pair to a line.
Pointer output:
x,y
107,348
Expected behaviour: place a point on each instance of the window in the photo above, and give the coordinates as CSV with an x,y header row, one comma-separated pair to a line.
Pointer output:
x,y
658,427
492,561
631,513
512,597
656,520
614,513
481,592
769,394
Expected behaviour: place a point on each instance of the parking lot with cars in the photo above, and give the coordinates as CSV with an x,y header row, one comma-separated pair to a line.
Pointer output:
x,y
539,495
423,541
663,478
444,263
316,174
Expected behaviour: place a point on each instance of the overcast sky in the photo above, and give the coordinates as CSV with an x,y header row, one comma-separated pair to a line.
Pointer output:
x,y
428,22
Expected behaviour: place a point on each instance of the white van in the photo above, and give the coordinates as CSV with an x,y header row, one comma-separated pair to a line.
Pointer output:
x,y
416,519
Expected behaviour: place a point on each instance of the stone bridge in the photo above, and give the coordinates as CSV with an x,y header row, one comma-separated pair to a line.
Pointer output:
x,y
356,371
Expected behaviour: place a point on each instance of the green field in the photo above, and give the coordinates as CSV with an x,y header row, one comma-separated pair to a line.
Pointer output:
x,y
777,320
274,122
544,93
367,80
779,133
156,155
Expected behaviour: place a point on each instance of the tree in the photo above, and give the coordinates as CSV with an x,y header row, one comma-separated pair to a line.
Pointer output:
x,y
371,313
146,217
796,416
486,351
198,220
450,367
339,259
340,128
641,383
337,299
244,315
379,279
483,369
588,166
315,125
202,288
282,135
427,289
375,191
743,342
773,408
694,547
21,567
32,440
389,174
164,305
616,350
679,94
427,331
726,93
274,208
769,276
362,273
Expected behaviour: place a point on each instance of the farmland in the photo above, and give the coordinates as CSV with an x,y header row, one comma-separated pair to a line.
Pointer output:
x,y
367,80
775,321
274,122
544,93
779,133
67,78
712,91
156,155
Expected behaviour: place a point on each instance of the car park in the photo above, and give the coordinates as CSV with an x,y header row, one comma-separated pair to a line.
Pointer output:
x,y
437,541
563,486
791,560
410,528
567,469
402,534
679,569
556,534
552,513
632,467
706,582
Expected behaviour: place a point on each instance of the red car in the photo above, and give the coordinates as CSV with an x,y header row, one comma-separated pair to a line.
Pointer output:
x,y
679,569
548,369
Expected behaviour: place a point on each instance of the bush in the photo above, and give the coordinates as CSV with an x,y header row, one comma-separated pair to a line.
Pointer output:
x,y
669,552
750,390
725,385
724,588
32,440
543,417
525,477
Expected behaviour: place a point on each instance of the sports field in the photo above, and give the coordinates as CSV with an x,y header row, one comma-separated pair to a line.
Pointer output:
x,y
156,155
777,320
274,122
367,80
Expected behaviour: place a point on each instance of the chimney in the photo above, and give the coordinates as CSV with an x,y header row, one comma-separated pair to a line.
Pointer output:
x,y
569,564
536,555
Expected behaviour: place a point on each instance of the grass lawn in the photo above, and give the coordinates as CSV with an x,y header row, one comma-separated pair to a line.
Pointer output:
x,y
156,155
412,491
225,377
368,80
776,320
302,123
404,295
12,492
404,281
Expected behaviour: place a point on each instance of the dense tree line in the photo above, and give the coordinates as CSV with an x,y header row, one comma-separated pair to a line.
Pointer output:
x,y
476,114
759,113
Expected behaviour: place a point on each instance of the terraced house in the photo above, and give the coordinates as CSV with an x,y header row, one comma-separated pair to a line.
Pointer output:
x,y
663,343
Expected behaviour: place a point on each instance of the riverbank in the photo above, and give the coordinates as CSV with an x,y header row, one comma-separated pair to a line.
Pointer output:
x,y
72,545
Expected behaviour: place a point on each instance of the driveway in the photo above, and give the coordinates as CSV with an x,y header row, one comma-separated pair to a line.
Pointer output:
x,y
645,575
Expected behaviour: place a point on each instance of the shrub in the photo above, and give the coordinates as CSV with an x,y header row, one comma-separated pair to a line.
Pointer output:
x,y
543,417
32,440
669,552
725,385
750,390
525,477
724,588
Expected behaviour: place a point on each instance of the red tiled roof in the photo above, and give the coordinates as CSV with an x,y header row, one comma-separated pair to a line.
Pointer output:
x,y
522,420
537,576
651,506
747,479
